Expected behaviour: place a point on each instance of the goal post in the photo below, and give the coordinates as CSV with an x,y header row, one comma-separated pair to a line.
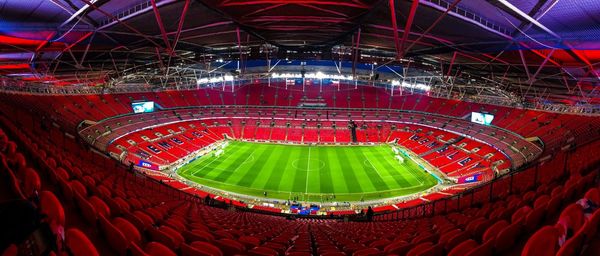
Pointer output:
x,y
400,159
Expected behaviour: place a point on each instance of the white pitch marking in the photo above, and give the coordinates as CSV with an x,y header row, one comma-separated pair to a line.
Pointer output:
x,y
307,170
374,168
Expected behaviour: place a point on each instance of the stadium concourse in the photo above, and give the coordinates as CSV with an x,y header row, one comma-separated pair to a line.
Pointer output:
x,y
299,127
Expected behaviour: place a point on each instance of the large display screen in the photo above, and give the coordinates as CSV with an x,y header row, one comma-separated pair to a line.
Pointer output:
x,y
481,118
143,107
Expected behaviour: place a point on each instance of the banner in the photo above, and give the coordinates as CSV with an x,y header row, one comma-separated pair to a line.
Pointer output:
x,y
469,179
147,165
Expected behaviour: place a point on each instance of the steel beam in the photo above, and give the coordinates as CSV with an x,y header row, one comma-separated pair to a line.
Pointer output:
x,y
451,64
355,59
433,25
395,27
527,17
161,25
407,27
76,14
122,23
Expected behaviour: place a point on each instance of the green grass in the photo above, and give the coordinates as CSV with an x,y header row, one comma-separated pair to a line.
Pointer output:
x,y
351,173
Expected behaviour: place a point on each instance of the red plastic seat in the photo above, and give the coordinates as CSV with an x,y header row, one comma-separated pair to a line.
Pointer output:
x,y
78,187
520,214
78,243
368,252
167,236
87,209
230,247
418,249
506,237
590,228
573,245
197,235
116,239
52,208
61,173
534,218
485,249
262,251
571,218
593,195
158,249
380,244
100,206
544,242
200,248
337,253
129,230
298,254
12,250
249,242
31,183
463,248
455,240
493,230
541,201
398,247
145,220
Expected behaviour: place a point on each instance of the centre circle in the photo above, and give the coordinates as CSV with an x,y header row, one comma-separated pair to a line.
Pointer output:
x,y
306,164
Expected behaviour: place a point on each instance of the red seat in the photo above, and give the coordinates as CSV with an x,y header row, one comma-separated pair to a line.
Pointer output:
x,y
455,240
12,250
129,230
31,183
262,251
230,247
249,242
593,195
158,249
590,228
368,252
174,234
398,247
137,251
482,250
573,245
197,235
78,187
333,254
541,201
506,237
534,218
78,244
52,208
87,209
298,254
544,242
61,173
571,218
200,248
417,250
493,230
520,214
116,239
463,248
145,220
380,244
100,206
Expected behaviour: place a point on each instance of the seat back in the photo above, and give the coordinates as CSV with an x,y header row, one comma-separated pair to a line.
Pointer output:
x,y
544,242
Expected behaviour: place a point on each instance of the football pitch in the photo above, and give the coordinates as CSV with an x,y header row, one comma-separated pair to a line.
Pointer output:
x,y
310,173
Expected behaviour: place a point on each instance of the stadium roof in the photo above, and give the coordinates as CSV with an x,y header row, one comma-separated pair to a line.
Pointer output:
x,y
542,49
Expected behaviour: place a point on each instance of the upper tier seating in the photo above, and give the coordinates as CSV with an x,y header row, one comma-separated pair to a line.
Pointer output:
x,y
553,128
